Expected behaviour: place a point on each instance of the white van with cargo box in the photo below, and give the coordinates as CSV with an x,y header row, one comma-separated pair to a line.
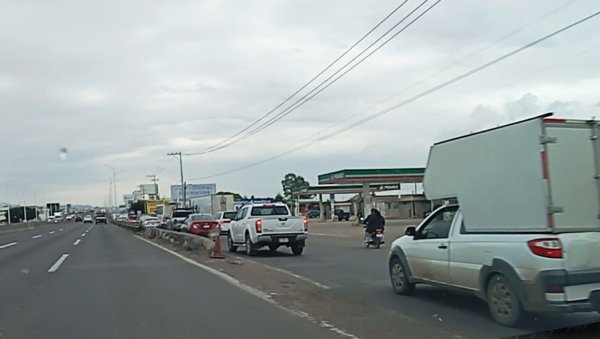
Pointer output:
x,y
525,234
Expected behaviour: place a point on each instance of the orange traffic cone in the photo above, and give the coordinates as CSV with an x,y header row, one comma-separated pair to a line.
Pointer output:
x,y
216,251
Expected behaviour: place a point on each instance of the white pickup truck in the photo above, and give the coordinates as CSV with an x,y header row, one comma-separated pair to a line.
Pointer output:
x,y
525,234
258,225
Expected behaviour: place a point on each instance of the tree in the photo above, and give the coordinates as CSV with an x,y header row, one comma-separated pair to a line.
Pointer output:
x,y
292,184
236,196
279,198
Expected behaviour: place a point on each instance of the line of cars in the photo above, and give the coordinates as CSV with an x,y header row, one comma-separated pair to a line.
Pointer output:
x,y
253,226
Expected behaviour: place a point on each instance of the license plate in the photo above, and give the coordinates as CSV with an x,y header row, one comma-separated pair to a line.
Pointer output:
x,y
379,235
283,240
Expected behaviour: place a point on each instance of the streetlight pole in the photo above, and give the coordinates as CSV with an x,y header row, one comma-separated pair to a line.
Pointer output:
x,y
181,172
114,184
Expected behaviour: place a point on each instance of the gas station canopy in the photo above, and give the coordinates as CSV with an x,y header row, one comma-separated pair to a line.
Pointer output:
x,y
378,175
348,189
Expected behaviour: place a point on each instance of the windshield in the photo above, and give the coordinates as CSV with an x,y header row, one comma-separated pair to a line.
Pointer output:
x,y
294,151
269,210
229,215
181,214
202,217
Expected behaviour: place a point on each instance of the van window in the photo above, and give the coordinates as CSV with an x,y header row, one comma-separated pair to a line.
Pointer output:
x,y
439,225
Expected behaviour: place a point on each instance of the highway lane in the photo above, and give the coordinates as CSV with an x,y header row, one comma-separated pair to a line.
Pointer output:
x,y
340,261
40,229
24,266
112,285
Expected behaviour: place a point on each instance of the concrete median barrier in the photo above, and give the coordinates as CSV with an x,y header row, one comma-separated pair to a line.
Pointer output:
x,y
187,241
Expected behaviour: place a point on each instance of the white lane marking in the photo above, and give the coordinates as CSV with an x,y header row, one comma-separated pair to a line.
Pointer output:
x,y
51,232
76,242
36,236
83,234
329,235
297,276
57,264
8,245
257,293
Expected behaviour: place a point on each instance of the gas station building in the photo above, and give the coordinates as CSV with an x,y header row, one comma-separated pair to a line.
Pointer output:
x,y
365,182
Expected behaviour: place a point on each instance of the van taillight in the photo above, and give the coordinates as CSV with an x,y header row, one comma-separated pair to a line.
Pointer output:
x,y
547,248
258,225
305,224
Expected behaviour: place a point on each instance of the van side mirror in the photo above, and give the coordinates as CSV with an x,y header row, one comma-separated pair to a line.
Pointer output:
x,y
410,231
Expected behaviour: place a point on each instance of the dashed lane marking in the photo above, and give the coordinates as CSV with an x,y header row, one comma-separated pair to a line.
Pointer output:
x,y
8,245
57,264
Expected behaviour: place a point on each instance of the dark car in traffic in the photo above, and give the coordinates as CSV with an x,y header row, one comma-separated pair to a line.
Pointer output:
x,y
100,218
313,214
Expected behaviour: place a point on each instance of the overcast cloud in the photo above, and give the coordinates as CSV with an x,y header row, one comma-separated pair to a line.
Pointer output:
x,y
124,82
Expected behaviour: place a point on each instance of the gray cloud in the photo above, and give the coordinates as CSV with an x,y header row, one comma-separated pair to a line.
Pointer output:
x,y
126,82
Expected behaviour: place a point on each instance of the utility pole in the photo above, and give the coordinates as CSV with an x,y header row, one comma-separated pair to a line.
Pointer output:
x,y
181,172
114,183
155,181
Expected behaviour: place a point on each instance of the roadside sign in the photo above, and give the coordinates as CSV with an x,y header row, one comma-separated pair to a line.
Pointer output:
x,y
388,187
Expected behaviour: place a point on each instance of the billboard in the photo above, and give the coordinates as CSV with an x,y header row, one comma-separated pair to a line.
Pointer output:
x,y
149,188
192,191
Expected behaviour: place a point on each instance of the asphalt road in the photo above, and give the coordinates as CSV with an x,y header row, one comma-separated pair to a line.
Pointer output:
x,y
71,280
336,257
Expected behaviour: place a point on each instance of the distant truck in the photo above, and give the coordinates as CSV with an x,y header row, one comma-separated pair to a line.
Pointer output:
x,y
213,204
525,234
58,216
342,215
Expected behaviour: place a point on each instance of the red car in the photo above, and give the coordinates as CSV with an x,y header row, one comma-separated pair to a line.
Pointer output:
x,y
201,224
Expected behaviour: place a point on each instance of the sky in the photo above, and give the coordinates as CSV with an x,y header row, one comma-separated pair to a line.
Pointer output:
x,y
122,83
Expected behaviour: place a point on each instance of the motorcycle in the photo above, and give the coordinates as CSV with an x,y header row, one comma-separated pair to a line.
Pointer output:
x,y
375,239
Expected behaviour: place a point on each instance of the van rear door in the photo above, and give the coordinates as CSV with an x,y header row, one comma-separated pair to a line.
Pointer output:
x,y
571,167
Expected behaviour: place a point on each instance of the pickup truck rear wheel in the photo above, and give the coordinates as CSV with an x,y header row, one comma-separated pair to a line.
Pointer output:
x,y
399,277
250,247
503,301
297,248
230,244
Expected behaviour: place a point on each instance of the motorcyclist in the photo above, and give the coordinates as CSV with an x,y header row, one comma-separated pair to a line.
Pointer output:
x,y
373,222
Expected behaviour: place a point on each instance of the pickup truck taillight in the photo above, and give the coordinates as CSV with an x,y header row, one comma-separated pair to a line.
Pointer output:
x,y
305,224
258,225
547,248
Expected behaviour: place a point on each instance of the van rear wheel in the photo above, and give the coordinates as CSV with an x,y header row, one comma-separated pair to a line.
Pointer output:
x,y
503,301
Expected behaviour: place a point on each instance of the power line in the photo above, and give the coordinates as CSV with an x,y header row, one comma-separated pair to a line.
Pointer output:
x,y
301,102
236,138
305,85
161,163
409,100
